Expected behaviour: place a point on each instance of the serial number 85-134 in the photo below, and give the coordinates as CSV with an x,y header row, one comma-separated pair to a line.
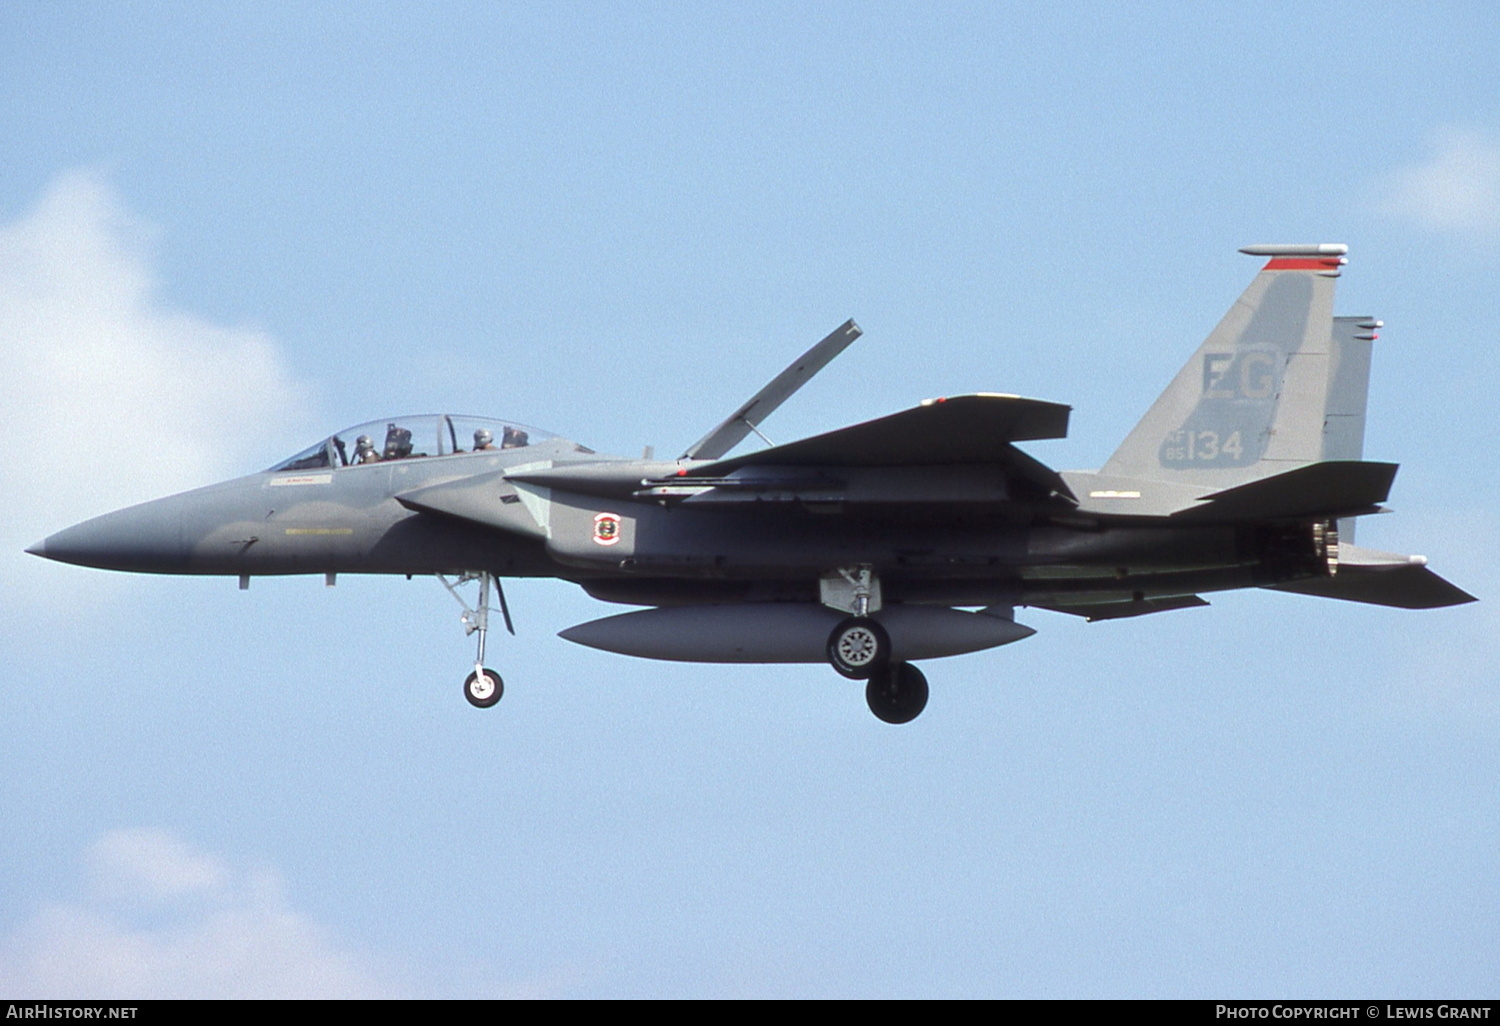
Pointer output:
x,y
1201,446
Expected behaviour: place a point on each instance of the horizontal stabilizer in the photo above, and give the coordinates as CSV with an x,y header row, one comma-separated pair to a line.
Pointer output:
x,y
1405,587
961,429
1138,607
1382,579
1333,488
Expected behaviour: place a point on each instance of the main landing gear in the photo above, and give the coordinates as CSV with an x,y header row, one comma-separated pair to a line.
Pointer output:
x,y
898,693
860,648
483,687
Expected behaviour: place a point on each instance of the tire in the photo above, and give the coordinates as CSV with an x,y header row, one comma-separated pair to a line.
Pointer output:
x,y
483,692
897,695
859,648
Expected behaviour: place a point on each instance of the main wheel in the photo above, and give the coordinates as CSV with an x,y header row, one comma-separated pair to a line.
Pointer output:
x,y
483,689
898,694
859,648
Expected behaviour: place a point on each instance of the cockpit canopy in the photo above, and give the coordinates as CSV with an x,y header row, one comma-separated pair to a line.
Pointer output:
x,y
409,438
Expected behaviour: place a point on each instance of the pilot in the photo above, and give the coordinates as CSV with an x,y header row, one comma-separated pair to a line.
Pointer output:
x,y
514,438
484,440
364,450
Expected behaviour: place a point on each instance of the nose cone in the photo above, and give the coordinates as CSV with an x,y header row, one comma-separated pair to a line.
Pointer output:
x,y
145,538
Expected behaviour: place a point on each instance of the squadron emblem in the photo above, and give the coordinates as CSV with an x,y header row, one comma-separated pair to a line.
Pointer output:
x,y
606,528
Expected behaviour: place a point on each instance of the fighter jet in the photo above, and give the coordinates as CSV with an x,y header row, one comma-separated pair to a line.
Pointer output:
x,y
874,547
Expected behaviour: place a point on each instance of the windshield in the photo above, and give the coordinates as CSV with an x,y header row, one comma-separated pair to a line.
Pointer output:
x,y
410,438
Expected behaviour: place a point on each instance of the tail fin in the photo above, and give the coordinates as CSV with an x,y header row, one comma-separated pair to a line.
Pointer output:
x,y
1255,398
1348,387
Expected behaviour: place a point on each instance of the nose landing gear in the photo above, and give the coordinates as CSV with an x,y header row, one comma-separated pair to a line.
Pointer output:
x,y
483,687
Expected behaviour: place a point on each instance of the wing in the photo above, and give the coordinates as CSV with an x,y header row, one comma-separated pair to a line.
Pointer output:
x,y
962,429
1333,488
963,432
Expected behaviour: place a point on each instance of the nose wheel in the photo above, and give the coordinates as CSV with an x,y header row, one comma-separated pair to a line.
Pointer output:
x,y
483,687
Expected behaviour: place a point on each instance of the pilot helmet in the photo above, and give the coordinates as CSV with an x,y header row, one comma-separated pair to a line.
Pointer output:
x,y
483,437
362,443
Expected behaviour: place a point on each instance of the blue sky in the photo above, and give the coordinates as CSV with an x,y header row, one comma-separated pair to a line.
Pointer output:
x,y
228,230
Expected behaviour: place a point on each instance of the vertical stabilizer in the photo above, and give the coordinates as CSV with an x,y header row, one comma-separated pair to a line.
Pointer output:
x,y
1348,387
1252,400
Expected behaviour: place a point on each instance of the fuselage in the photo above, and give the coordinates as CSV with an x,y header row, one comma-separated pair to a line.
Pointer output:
x,y
452,511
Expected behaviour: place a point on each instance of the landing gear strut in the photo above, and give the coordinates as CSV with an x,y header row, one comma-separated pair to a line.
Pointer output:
x,y
898,693
483,687
859,647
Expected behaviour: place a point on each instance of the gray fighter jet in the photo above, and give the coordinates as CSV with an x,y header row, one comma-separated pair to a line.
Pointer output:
x,y
901,539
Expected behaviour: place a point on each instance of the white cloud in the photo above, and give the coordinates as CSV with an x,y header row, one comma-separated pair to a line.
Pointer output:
x,y
163,920
1456,190
153,866
110,395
